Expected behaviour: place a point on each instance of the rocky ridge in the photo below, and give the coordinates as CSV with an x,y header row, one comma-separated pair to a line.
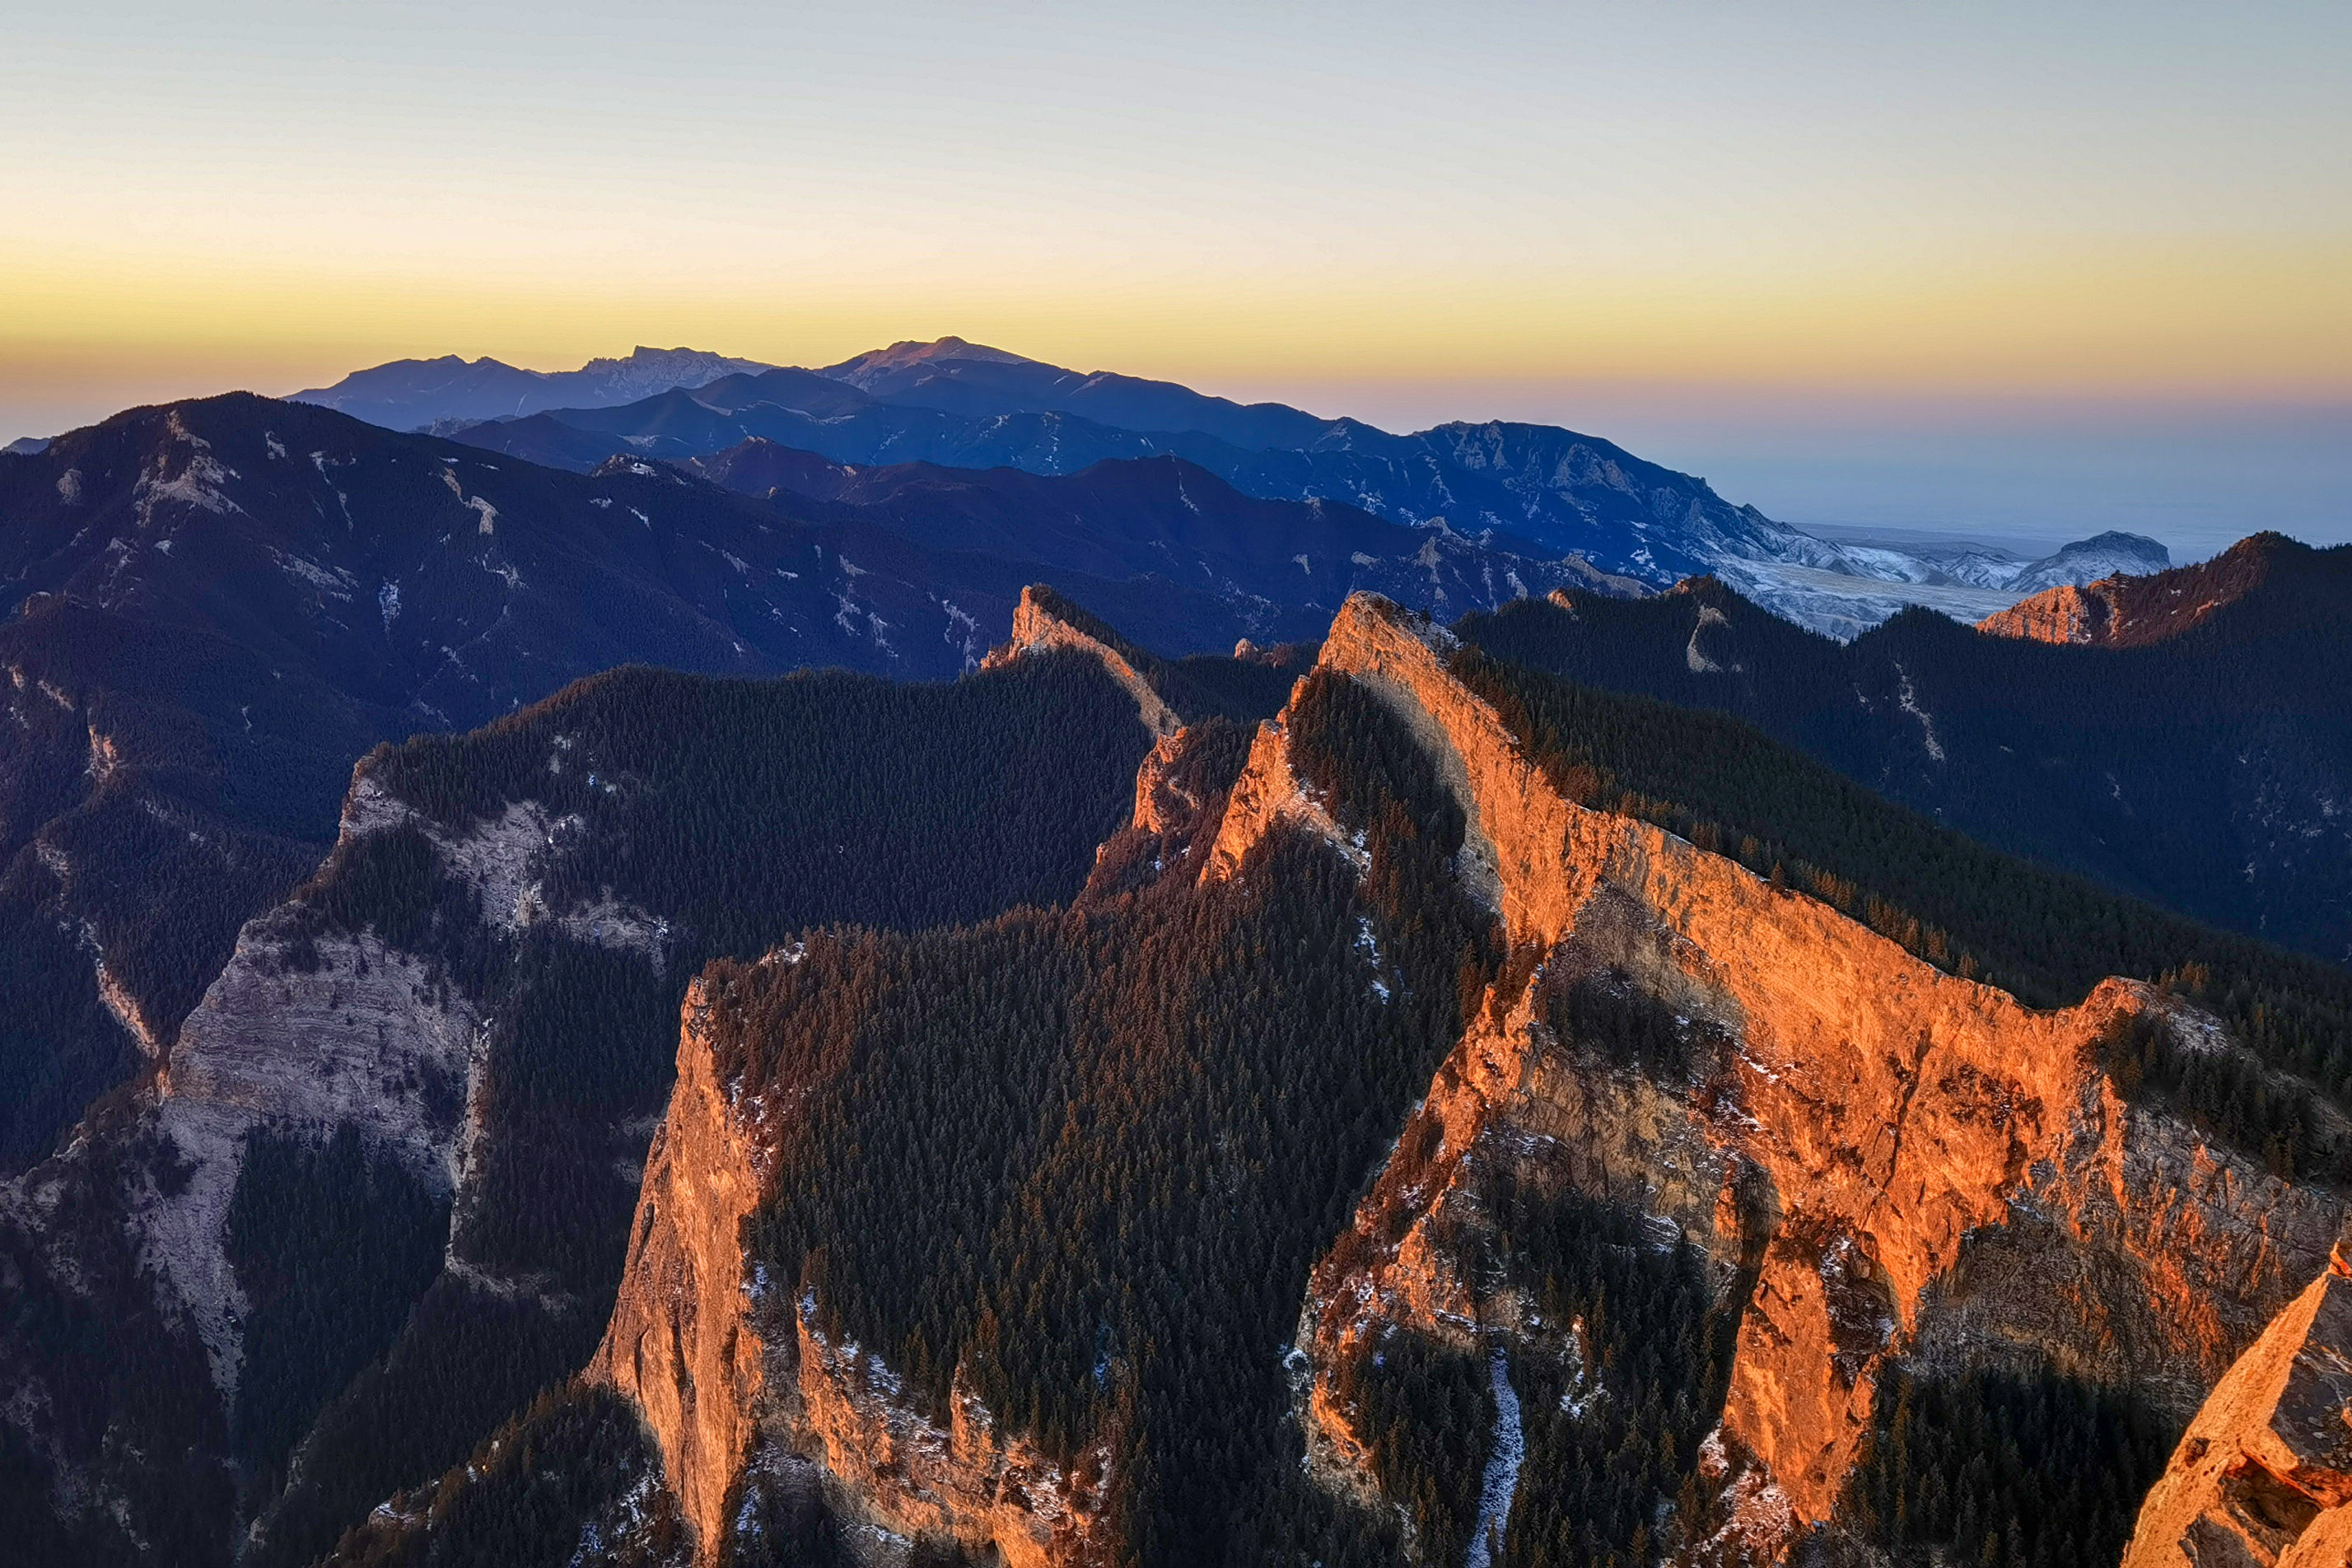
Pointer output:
x,y
1859,1128
2125,609
1886,1165
1036,627
2263,1475
721,1365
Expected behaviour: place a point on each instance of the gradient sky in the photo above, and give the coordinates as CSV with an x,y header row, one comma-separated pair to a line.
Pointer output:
x,y
2025,270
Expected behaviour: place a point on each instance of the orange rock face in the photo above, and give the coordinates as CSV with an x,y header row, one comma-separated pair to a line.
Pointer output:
x,y
2065,614
686,1343
971,1480
678,1342
1037,626
2263,1475
1870,1125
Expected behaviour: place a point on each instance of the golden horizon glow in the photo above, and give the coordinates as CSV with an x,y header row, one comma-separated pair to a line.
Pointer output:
x,y
2202,322
1588,211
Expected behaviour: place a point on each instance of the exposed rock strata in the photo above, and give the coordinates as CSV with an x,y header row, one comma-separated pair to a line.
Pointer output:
x,y
1869,1126
305,1031
2263,1475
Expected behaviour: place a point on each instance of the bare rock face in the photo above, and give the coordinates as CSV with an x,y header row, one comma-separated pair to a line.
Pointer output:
x,y
678,1342
2065,614
1892,1161
2263,1475
719,1365
1269,792
361,1035
1034,626
995,1495
1181,791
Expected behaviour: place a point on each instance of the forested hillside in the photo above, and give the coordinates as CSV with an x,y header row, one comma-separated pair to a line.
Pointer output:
x,y
2205,770
2045,936
1087,1157
414,1265
216,607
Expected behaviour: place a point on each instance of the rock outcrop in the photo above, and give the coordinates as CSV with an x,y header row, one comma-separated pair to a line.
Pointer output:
x,y
2263,1475
721,1364
1857,1128
1036,626
2065,614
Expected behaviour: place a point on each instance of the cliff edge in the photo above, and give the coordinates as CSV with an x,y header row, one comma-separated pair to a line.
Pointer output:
x,y
1854,1127
2263,1475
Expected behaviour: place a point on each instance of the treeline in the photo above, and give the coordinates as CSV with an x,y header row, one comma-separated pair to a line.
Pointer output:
x,y
1197,685
740,809
2044,935
1613,1429
1425,1410
331,1244
2224,1094
573,1480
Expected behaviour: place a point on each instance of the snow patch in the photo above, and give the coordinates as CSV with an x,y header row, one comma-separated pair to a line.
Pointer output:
x,y
1501,1479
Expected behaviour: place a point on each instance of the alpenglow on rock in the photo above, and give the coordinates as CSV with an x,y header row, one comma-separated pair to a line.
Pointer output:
x,y
2263,1477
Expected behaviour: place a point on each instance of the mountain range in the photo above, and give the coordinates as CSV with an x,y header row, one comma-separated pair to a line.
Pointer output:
x,y
218,606
417,394
1360,1102
2197,760
942,960
1541,488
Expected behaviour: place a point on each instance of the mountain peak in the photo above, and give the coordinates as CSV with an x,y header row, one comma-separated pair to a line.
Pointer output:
x,y
913,351
2127,609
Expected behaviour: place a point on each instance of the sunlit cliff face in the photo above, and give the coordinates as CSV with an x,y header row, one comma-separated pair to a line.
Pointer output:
x,y
1877,1159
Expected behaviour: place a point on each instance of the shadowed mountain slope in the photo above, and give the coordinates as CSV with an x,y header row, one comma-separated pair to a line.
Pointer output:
x,y
217,606
379,1192
2209,771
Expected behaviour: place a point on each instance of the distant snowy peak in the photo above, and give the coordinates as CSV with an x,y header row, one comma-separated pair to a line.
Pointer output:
x,y
2089,559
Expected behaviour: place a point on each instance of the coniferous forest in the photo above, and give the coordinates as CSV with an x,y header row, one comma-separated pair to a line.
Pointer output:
x,y
1077,1161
